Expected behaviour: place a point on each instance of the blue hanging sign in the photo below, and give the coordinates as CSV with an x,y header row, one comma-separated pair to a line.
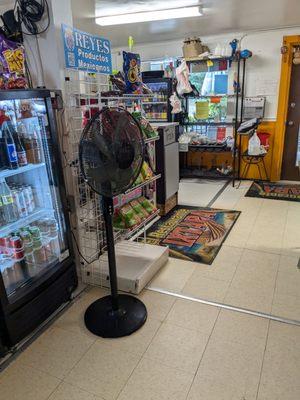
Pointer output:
x,y
86,52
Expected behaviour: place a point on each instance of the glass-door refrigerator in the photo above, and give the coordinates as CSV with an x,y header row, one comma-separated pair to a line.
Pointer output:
x,y
37,263
158,107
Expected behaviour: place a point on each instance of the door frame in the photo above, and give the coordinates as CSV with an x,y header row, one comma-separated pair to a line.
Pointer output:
x,y
283,98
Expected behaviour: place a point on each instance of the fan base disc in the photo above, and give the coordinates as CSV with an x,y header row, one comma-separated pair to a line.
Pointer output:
x,y
101,320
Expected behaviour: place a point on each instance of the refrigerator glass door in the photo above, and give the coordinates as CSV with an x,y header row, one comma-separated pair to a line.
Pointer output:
x,y
32,225
156,108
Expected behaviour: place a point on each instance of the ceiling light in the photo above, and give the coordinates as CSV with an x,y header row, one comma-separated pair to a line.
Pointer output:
x,y
146,16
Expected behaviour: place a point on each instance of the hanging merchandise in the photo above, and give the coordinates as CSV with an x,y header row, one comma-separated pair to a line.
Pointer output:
x,y
254,148
202,109
132,72
176,104
182,75
12,65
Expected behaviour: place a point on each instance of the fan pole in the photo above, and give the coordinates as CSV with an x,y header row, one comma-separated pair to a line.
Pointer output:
x,y
108,210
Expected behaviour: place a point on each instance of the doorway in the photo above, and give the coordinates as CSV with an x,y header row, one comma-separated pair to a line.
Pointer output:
x,y
291,153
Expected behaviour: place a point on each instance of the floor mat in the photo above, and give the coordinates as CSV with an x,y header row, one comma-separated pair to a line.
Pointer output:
x,y
193,233
274,191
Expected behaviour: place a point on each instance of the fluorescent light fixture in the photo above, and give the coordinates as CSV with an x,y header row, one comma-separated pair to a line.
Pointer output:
x,y
146,16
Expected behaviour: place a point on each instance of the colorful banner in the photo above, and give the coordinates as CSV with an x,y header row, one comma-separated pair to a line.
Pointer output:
x,y
86,52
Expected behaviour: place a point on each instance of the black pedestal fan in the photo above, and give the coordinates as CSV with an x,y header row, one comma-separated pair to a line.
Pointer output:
x,y
111,153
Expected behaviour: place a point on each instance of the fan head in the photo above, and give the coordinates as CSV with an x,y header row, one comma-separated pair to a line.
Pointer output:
x,y
111,151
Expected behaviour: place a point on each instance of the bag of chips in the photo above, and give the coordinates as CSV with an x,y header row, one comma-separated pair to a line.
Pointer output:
x,y
118,221
12,65
132,72
146,171
139,180
129,216
148,206
139,209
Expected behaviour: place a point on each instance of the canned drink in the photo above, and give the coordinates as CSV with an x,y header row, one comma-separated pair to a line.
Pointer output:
x,y
27,199
31,196
23,204
17,247
5,245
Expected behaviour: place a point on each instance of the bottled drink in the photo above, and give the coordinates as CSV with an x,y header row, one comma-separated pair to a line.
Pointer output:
x,y
32,147
3,153
28,249
2,217
21,153
7,200
10,146
38,249
54,242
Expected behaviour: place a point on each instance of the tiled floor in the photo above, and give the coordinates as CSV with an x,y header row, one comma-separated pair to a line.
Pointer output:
x,y
185,351
257,265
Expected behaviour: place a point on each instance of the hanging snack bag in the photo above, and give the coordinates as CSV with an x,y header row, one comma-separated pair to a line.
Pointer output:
x,y
147,129
12,65
132,72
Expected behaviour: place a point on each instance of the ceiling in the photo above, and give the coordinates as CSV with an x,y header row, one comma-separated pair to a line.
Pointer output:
x,y
220,16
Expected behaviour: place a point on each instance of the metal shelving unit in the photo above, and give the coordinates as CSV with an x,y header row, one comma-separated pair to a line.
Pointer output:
x,y
238,106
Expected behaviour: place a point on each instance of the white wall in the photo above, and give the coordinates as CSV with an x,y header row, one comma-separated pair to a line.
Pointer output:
x,y
263,69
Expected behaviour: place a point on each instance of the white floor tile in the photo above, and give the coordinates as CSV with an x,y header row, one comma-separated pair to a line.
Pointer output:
x,y
56,351
177,347
103,370
153,380
20,382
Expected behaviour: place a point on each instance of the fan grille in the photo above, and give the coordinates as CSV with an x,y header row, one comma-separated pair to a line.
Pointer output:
x,y
111,151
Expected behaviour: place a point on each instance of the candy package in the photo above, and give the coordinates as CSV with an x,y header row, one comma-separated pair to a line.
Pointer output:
x,y
148,206
12,65
139,209
132,72
129,216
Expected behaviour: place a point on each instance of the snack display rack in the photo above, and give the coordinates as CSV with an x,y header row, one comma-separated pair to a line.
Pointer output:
x,y
83,94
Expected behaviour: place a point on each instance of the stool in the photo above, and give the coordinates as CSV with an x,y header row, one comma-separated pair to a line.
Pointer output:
x,y
254,160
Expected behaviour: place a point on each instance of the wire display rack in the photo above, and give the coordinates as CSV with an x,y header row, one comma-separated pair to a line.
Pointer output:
x,y
83,97
82,90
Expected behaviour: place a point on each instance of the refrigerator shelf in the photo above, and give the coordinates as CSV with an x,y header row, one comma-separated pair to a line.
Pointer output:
x,y
12,172
21,222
